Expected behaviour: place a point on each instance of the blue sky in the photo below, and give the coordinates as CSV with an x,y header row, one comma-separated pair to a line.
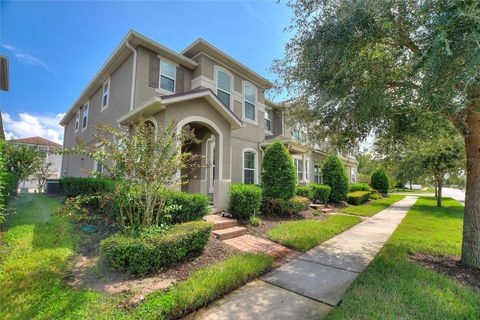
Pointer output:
x,y
55,48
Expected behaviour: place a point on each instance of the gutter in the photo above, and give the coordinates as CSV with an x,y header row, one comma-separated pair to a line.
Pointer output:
x,y
134,73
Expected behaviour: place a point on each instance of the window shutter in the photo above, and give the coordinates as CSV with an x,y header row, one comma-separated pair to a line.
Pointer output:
x,y
154,72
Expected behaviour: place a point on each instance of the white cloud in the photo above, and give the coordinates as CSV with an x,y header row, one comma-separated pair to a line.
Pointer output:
x,y
28,58
27,125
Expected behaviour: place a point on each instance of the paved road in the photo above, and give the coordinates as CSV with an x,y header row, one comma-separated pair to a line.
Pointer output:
x,y
311,285
456,194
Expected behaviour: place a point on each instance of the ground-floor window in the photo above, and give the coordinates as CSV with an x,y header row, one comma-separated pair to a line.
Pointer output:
x,y
353,175
317,174
249,167
299,166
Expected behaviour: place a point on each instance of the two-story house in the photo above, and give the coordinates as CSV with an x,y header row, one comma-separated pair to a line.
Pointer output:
x,y
203,87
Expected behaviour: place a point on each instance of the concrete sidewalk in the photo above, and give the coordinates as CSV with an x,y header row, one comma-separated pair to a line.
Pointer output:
x,y
311,285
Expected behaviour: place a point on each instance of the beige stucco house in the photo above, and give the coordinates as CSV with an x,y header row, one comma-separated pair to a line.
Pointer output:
x,y
204,88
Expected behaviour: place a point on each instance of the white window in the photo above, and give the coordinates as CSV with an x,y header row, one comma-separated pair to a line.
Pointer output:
x,y
106,94
307,168
85,116
317,174
168,74
249,167
224,88
268,120
353,175
299,166
250,97
77,120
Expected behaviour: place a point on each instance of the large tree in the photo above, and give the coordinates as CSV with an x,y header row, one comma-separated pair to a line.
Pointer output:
x,y
391,68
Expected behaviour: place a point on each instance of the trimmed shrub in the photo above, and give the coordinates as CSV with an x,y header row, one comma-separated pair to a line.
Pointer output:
x,y
300,203
375,195
72,187
304,191
151,251
184,207
8,182
335,176
282,207
279,177
359,187
245,200
380,181
320,192
255,221
358,197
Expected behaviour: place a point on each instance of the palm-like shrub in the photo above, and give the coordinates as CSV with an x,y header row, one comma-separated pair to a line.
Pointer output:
x,y
279,179
335,176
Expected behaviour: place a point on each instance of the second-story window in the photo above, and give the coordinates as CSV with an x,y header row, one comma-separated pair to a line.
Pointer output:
x,y
77,120
250,96
85,116
299,135
223,87
106,94
268,120
168,74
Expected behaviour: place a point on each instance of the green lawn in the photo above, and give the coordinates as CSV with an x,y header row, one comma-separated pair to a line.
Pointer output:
x,y
393,287
373,207
203,287
36,257
306,234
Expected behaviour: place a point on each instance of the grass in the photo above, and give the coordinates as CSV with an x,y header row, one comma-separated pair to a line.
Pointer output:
x,y
373,207
38,250
36,256
393,287
203,287
306,234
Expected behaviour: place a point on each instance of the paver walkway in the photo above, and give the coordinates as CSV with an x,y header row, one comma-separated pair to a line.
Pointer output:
x,y
311,285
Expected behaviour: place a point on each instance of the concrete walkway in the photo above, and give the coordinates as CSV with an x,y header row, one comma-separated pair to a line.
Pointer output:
x,y
311,285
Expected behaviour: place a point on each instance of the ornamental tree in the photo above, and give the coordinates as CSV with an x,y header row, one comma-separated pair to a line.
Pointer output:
x,y
390,68
335,176
279,178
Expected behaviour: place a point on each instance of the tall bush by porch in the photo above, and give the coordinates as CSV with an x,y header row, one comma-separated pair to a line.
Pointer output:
x,y
380,181
279,179
335,176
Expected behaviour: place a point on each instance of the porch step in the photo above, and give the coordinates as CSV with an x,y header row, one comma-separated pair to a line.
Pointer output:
x,y
316,206
220,222
326,210
230,233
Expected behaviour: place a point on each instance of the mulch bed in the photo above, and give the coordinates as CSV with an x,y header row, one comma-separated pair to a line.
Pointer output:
x,y
450,266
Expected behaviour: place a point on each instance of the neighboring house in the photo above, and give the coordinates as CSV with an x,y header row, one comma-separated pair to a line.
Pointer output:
x,y
48,150
203,87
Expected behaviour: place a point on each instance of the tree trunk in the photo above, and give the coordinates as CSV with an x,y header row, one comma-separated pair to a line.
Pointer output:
x,y
471,224
410,184
2,133
436,188
439,191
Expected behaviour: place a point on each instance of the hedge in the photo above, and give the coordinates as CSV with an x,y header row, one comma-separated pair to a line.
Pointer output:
x,y
320,192
335,176
305,192
189,207
380,181
8,183
359,187
72,187
153,251
282,207
245,200
279,176
358,197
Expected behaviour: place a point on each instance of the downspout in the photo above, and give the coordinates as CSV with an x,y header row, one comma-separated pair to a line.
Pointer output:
x,y
134,73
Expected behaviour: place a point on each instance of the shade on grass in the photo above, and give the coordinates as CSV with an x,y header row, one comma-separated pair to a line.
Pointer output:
x,y
36,259
373,207
204,286
305,234
393,287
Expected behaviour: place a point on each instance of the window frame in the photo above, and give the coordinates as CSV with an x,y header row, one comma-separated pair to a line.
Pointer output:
x,y
86,106
216,70
302,134
317,173
299,172
246,84
255,165
353,175
270,113
107,82
77,119
160,74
